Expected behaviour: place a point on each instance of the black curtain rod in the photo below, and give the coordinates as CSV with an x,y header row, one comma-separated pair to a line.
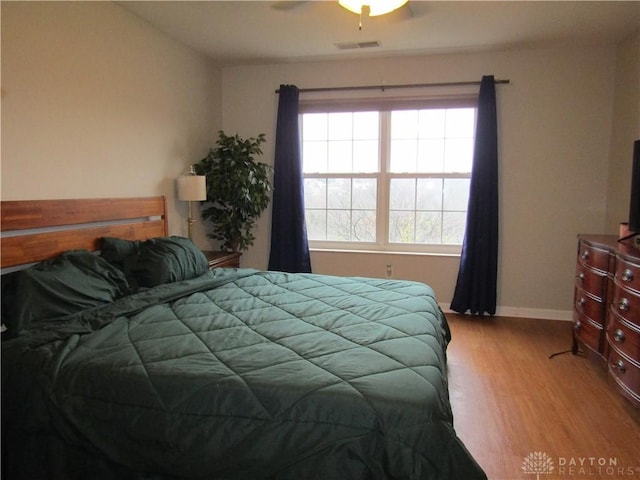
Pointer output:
x,y
389,87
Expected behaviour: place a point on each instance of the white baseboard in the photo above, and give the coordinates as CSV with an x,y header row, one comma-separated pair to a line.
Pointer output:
x,y
540,313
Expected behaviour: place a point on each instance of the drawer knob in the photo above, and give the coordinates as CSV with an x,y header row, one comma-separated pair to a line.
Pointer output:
x,y
577,326
581,302
585,255
627,275
580,277
618,335
619,365
623,305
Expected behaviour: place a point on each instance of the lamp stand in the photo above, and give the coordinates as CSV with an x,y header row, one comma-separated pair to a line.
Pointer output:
x,y
190,222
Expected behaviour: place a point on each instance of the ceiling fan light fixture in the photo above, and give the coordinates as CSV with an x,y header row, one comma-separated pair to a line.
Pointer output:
x,y
376,7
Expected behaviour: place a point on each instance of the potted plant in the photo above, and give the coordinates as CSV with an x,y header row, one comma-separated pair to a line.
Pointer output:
x,y
238,189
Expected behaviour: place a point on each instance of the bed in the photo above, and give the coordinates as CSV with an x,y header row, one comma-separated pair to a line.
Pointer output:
x,y
126,358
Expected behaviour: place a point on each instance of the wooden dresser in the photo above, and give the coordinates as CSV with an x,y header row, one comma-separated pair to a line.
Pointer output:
x,y
606,313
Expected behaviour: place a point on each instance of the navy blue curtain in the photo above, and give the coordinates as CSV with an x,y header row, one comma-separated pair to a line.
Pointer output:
x,y
477,277
289,245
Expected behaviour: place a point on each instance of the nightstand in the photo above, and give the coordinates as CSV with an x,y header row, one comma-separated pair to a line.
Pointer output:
x,y
222,259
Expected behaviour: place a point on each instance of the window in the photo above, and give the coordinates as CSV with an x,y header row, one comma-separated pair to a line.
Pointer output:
x,y
388,179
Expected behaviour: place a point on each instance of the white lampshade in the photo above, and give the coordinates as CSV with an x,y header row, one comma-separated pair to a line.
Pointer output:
x,y
192,188
376,7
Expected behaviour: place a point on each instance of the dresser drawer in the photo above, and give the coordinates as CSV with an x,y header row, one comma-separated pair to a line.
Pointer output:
x,y
627,274
591,281
626,374
622,336
589,306
626,304
587,333
594,257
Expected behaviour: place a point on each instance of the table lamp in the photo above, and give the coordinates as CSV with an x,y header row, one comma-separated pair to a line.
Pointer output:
x,y
191,188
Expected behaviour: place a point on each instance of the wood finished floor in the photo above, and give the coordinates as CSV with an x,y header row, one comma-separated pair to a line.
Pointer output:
x,y
510,400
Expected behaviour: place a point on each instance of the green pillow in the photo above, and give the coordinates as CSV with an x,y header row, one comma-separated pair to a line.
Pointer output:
x,y
71,282
168,259
118,251
122,254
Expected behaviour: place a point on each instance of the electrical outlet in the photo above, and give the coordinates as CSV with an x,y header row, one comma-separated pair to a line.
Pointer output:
x,y
389,270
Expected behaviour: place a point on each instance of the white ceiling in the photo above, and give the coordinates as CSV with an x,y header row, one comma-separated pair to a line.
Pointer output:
x,y
244,32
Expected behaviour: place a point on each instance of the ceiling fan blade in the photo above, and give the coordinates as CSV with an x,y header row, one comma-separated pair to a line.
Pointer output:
x,y
403,13
409,11
286,5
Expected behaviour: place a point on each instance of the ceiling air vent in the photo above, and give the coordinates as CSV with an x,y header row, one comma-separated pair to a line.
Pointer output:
x,y
355,45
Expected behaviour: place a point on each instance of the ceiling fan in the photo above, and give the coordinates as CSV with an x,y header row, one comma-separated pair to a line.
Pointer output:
x,y
370,8
374,7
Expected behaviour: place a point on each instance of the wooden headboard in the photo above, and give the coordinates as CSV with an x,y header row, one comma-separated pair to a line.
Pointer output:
x,y
34,230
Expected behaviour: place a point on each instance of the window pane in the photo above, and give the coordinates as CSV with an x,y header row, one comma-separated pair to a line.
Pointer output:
x,y
432,140
338,225
401,227
315,193
366,125
365,156
431,156
460,122
428,227
429,194
339,193
456,194
340,157
404,124
432,123
458,155
316,222
365,193
314,126
402,194
315,157
453,227
340,126
404,155
364,225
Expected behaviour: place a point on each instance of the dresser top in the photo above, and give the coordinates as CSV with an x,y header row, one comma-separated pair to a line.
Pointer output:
x,y
627,247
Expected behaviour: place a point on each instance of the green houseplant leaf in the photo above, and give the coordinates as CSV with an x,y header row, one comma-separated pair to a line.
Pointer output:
x,y
238,189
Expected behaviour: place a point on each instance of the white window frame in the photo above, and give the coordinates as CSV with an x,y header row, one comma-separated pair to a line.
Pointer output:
x,y
383,176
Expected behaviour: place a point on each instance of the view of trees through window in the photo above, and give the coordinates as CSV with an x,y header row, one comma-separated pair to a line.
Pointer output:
x,y
380,178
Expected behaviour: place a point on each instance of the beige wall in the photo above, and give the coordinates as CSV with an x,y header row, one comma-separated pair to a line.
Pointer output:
x,y
96,103
626,129
555,123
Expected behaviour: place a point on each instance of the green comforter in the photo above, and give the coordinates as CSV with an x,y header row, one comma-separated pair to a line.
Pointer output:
x,y
238,375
